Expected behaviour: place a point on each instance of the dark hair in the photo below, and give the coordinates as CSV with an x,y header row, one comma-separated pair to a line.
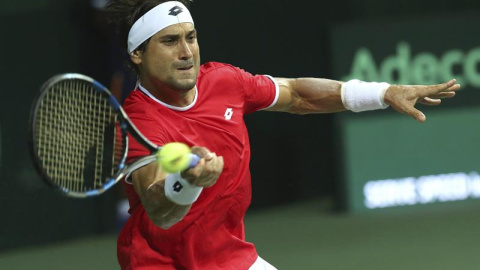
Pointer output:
x,y
124,13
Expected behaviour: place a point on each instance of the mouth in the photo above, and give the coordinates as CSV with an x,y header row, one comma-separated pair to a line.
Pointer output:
x,y
185,68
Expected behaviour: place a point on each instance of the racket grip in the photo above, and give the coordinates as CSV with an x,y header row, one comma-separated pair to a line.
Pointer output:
x,y
194,159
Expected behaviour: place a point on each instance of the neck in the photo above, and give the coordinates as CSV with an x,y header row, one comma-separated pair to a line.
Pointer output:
x,y
170,96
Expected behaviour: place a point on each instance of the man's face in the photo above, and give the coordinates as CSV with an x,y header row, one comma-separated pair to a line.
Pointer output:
x,y
171,59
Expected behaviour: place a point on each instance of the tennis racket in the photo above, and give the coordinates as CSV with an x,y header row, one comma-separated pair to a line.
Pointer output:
x,y
79,137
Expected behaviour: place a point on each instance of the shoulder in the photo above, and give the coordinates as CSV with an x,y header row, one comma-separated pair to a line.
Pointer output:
x,y
217,68
148,118
216,73
134,101
137,105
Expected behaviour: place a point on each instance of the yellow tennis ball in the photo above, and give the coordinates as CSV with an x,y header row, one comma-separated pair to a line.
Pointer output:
x,y
174,157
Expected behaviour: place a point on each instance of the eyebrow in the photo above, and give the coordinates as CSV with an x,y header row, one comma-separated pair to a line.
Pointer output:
x,y
176,36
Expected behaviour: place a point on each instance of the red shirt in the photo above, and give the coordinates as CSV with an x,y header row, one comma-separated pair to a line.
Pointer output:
x,y
211,236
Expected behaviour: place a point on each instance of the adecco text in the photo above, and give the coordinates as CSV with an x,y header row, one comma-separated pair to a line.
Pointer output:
x,y
422,68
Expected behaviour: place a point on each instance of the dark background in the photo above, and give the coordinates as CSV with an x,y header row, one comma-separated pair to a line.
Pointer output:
x,y
293,157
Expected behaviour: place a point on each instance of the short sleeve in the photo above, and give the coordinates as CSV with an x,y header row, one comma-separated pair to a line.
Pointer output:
x,y
260,91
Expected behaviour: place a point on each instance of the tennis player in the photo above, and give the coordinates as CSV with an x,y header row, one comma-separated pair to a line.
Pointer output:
x,y
194,220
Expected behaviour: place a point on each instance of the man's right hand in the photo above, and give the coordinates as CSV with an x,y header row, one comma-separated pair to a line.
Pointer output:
x,y
208,169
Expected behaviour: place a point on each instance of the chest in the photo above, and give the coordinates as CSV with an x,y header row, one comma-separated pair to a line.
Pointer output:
x,y
216,122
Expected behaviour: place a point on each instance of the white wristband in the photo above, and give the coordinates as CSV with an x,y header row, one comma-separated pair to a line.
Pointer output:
x,y
180,191
359,96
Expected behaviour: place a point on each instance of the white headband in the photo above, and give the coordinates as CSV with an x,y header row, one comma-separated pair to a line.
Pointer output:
x,y
156,19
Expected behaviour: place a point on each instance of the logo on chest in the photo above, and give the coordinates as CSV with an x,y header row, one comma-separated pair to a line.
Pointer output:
x,y
228,114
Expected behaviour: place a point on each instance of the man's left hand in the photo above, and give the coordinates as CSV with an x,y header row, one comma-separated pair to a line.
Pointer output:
x,y
403,98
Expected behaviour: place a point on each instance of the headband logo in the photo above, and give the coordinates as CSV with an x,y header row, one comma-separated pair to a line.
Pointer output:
x,y
175,11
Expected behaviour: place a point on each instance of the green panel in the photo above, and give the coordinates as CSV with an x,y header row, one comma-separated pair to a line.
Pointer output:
x,y
436,161
391,147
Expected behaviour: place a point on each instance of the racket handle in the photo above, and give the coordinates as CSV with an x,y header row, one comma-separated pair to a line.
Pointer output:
x,y
194,159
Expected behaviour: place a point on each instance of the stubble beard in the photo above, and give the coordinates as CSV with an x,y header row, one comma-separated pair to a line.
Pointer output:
x,y
185,85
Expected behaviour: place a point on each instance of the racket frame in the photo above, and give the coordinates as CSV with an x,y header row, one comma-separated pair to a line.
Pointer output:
x,y
125,125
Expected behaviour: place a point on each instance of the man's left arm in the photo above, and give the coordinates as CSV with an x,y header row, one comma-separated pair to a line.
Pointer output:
x,y
312,95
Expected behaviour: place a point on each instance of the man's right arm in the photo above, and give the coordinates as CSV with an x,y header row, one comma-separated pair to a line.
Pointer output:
x,y
149,183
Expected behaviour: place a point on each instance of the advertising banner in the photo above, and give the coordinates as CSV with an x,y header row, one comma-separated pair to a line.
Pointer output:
x,y
389,160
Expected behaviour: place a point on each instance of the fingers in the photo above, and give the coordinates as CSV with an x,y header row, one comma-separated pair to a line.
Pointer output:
x,y
207,175
208,169
407,107
200,151
214,171
450,83
432,90
404,97
417,115
455,87
449,94
413,112
446,85
430,101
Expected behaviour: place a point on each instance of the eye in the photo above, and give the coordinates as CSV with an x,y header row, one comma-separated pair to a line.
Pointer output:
x,y
168,41
192,38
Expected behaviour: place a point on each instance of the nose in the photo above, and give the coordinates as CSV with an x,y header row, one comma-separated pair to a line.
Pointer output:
x,y
185,50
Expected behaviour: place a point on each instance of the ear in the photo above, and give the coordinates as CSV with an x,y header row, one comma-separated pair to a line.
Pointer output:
x,y
136,57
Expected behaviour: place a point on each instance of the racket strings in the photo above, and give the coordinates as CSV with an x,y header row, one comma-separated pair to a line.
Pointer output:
x,y
77,136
